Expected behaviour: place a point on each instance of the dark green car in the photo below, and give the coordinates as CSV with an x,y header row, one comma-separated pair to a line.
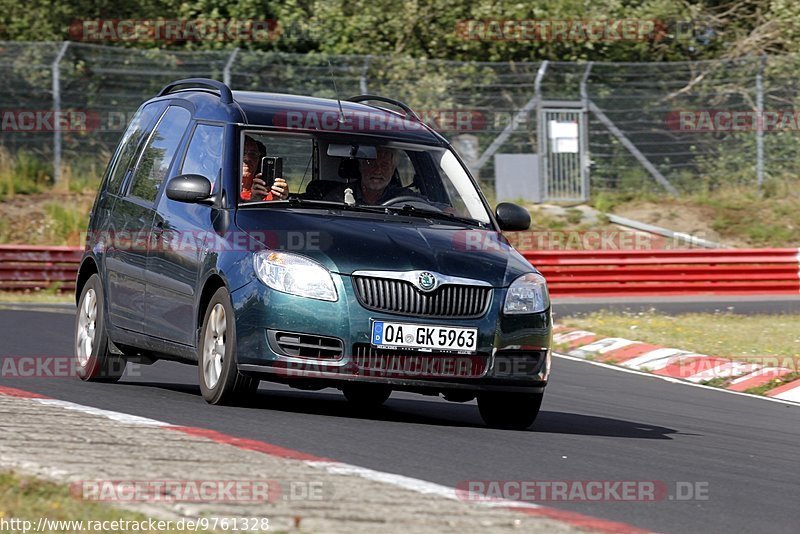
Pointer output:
x,y
310,242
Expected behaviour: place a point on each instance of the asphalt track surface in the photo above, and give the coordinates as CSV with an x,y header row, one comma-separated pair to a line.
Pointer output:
x,y
596,424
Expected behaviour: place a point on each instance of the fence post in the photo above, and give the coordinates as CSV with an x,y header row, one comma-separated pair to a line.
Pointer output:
x,y
760,122
532,104
362,81
56,73
226,72
584,132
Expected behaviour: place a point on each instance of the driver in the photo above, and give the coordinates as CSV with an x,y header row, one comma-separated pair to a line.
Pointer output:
x,y
374,187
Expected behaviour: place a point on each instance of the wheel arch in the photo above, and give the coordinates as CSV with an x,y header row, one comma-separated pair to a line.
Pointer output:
x,y
87,268
210,286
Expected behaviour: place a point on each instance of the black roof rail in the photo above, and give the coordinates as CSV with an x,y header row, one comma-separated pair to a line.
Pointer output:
x,y
409,112
205,83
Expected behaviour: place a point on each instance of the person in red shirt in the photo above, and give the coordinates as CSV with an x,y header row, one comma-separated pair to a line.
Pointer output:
x,y
253,187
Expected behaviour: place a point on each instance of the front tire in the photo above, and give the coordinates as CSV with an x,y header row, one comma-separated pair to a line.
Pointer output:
x,y
515,411
93,361
220,380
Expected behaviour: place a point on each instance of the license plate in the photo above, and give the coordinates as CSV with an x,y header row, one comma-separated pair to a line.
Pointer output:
x,y
423,336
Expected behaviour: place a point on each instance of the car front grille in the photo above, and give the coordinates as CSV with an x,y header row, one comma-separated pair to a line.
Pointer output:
x,y
372,361
305,345
399,296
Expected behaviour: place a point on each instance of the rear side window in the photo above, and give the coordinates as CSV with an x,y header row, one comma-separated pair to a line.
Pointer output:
x,y
204,155
157,156
130,142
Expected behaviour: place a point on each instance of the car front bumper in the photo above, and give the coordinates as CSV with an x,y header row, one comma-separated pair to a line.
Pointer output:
x,y
513,352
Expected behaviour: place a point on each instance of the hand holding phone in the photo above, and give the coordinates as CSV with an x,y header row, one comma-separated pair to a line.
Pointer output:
x,y
271,168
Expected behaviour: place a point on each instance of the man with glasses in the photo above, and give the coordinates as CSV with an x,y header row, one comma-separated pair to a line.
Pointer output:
x,y
376,174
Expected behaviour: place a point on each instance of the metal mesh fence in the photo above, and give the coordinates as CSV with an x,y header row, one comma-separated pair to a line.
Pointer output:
x,y
675,120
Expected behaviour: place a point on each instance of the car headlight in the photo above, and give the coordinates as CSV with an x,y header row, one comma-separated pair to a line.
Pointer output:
x,y
527,294
294,274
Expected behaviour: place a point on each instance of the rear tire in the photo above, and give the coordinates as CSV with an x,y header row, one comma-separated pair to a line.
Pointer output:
x,y
515,411
367,395
220,380
93,361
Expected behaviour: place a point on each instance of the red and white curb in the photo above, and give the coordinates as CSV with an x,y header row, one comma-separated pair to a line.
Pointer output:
x,y
338,468
676,363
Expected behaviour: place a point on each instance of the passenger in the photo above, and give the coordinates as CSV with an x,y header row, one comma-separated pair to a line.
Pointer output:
x,y
253,186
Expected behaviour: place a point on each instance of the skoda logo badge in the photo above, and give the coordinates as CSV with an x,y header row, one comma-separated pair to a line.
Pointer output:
x,y
426,281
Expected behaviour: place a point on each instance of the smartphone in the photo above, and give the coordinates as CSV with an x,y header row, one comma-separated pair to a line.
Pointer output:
x,y
271,167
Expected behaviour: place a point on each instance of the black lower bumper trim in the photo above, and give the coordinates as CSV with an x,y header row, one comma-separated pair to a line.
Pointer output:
x,y
334,379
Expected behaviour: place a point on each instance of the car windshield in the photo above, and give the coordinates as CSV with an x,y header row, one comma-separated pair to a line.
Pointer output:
x,y
413,179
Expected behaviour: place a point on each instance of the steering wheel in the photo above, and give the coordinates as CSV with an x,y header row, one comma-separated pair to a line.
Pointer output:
x,y
409,199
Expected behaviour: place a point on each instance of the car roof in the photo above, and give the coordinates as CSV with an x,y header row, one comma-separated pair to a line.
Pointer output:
x,y
306,114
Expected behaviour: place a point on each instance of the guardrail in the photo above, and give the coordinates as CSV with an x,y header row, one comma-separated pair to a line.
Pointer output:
x,y
569,273
669,272
38,267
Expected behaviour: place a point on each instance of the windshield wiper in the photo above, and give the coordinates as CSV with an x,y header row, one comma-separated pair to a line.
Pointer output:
x,y
294,202
311,203
408,209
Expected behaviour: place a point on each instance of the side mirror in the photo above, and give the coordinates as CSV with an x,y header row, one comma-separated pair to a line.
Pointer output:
x,y
189,188
512,217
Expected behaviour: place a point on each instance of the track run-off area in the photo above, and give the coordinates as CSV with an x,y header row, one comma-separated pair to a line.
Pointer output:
x,y
738,453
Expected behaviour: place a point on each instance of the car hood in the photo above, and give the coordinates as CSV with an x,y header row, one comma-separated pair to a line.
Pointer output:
x,y
350,241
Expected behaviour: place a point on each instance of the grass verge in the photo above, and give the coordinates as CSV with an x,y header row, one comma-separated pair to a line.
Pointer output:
x,y
38,297
26,498
723,214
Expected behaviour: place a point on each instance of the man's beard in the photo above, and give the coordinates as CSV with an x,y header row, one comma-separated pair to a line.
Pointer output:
x,y
376,183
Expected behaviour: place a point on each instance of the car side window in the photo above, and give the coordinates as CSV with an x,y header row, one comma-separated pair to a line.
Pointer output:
x,y
204,155
157,156
296,153
130,142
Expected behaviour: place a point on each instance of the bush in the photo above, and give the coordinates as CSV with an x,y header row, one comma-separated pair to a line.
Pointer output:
x,y
64,224
23,173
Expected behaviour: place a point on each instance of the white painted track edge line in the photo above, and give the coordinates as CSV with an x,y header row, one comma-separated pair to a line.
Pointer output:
x,y
120,417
